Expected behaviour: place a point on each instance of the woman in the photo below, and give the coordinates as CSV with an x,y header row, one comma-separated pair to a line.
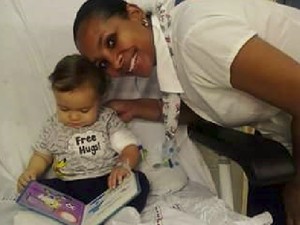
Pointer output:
x,y
236,62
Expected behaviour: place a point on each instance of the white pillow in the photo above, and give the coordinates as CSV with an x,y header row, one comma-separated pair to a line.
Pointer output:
x,y
162,179
31,44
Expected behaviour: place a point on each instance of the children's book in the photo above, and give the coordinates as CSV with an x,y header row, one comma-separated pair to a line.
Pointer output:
x,y
71,211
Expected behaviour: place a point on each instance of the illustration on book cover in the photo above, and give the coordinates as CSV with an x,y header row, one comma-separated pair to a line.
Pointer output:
x,y
52,203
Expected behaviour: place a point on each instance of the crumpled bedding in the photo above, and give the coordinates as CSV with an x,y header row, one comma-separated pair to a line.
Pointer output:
x,y
194,205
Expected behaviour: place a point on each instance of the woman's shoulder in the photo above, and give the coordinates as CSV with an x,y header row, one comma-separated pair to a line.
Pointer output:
x,y
205,19
190,12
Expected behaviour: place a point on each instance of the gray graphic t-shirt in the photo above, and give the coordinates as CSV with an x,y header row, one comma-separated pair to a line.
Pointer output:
x,y
88,151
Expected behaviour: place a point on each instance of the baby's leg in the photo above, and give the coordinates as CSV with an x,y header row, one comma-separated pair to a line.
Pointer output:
x,y
56,184
86,190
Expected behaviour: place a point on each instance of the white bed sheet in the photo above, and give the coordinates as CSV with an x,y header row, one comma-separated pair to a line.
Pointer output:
x,y
34,36
194,205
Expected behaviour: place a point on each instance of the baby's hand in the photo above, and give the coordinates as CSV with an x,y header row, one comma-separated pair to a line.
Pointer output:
x,y
24,179
117,175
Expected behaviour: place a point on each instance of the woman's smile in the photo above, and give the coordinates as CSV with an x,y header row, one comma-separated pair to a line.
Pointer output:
x,y
133,62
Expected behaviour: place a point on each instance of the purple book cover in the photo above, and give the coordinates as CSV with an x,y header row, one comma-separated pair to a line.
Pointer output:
x,y
52,203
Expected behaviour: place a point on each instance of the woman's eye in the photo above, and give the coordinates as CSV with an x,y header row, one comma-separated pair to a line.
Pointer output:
x,y
111,41
102,64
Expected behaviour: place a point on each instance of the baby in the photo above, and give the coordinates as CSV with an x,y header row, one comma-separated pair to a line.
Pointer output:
x,y
89,147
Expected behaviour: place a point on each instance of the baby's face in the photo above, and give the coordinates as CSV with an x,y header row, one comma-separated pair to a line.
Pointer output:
x,y
77,108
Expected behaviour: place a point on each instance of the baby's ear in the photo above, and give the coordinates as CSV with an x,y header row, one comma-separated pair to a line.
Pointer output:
x,y
134,12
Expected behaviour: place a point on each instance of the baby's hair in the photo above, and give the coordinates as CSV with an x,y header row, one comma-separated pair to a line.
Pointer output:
x,y
73,71
101,8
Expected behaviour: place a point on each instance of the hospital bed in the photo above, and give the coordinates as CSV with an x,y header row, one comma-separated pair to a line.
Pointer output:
x,y
34,36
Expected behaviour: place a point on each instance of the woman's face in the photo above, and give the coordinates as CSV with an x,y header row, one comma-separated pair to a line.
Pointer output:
x,y
122,47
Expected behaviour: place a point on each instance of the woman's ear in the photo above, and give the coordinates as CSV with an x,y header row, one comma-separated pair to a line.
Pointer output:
x,y
134,12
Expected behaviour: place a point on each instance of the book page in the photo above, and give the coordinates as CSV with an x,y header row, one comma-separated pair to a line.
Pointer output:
x,y
104,206
52,203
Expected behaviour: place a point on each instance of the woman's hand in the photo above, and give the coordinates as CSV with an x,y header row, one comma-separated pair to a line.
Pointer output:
x,y
127,110
25,178
117,175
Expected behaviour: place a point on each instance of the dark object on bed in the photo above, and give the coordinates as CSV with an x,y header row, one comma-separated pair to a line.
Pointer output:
x,y
264,161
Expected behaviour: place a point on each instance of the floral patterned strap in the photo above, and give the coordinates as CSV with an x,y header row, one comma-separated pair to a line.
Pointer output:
x,y
171,110
171,101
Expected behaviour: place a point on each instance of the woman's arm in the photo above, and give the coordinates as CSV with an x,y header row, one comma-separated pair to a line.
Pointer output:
x,y
268,74
148,109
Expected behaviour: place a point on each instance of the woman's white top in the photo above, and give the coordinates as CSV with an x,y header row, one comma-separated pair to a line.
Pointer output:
x,y
206,35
